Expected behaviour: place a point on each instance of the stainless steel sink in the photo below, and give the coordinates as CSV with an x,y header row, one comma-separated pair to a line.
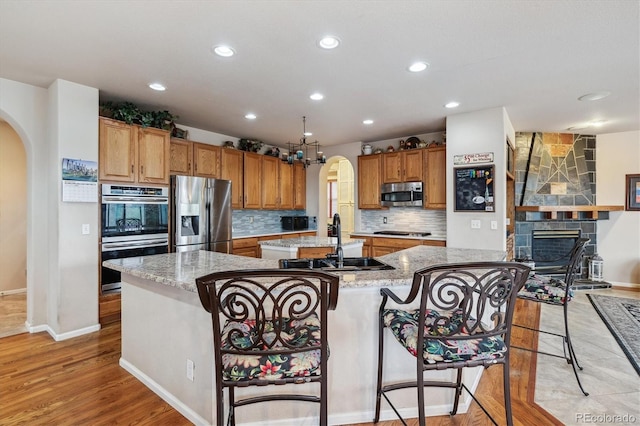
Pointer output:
x,y
349,264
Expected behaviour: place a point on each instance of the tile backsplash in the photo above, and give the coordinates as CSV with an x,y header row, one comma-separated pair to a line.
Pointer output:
x,y
247,222
405,219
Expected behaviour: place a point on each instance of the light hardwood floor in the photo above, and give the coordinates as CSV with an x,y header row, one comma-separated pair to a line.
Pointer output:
x,y
13,314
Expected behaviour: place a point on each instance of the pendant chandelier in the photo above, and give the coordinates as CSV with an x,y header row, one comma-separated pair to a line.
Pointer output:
x,y
306,152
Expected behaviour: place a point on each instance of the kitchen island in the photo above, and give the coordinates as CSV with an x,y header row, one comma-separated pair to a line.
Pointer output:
x,y
164,327
304,247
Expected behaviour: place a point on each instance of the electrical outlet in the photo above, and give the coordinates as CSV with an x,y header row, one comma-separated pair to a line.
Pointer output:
x,y
86,230
190,368
475,224
494,224
384,219
250,219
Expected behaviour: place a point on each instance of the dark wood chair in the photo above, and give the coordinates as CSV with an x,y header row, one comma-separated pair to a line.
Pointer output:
x,y
465,310
557,292
269,327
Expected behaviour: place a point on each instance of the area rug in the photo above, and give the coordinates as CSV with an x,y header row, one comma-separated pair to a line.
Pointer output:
x,y
622,318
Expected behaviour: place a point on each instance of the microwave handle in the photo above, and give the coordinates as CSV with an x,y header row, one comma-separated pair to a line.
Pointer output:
x,y
134,200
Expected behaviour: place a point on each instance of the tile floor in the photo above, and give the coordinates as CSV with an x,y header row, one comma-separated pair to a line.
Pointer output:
x,y
608,376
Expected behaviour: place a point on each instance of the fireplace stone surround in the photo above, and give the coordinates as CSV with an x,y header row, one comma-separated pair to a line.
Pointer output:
x,y
555,169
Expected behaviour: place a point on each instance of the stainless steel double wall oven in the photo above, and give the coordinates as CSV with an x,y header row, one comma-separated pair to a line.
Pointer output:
x,y
134,222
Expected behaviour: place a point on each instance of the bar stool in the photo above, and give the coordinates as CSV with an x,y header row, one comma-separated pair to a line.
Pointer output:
x,y
269,328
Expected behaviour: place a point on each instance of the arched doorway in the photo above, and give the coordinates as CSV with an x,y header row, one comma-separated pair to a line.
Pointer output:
x,y
336,194
13,228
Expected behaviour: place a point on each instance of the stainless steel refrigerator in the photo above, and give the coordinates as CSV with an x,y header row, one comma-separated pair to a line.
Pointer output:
x,y
200,214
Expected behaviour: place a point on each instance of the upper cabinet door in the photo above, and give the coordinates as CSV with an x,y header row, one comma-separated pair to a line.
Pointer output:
x,y
206,159
412,165
232,168
181,157
435,180
153,155
299,186
270,182
286,189
392,167
369,181
252,177
117,151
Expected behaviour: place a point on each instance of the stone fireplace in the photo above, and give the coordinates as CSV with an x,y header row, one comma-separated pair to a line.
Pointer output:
x,y
555,196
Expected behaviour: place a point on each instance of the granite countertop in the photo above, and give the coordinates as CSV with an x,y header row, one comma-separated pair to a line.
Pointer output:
x,y
181,269
309,242
405,237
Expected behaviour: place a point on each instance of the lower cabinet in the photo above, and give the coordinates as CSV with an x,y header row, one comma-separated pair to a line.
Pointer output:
x,y
379,246
313,252
245,247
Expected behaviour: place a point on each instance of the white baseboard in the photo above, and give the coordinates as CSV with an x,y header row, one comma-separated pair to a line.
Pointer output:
x,y
625,285
191,415
16,291
62,336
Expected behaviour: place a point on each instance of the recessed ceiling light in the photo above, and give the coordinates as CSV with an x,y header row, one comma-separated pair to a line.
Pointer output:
x,y
317,96
594,96
250,116
367,122
157,86
329,42
452,105
224,51
418,66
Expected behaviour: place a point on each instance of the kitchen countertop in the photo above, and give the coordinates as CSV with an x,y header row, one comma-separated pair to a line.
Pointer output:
x,y
309,242
181,269
406,237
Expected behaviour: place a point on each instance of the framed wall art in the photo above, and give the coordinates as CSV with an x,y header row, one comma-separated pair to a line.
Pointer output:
x,y
632,199
474,189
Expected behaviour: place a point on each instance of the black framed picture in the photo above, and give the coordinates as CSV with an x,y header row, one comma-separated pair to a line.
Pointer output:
x,y
632,201
474,189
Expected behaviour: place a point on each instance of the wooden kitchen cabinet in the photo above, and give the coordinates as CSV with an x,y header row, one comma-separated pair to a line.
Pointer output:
x,y
369,181
299,186
286,185
194,159
402,166
245,247
252,175
206,160
313,252
129,153
232,168
181,157
270,183
435,178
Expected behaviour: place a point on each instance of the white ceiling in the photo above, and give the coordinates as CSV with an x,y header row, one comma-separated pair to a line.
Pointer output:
x,y
535,58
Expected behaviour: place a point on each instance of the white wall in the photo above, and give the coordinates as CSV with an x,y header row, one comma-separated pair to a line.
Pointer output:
x,y
24,107
13,211
618,154
62,266
469,133
74,257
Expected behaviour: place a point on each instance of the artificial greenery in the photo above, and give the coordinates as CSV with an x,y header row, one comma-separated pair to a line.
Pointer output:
x,y
131,114
249,145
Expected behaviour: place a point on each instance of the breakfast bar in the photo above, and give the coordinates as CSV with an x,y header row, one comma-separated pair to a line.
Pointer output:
x,y
167,336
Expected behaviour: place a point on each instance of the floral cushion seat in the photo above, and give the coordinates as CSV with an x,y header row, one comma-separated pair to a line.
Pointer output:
x,y
544,288
299,365
404,326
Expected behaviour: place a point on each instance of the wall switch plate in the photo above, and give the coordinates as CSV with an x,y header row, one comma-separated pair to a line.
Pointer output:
x,y
494,224
475,224
190,368
384,219
86,229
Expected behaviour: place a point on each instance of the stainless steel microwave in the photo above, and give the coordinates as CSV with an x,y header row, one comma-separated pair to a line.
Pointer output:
x,y
401,194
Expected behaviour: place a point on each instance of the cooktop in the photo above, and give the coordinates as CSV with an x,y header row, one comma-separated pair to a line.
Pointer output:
x,y
404,233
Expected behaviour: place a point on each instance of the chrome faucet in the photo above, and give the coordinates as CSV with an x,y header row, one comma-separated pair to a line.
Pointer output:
x,y
337,229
